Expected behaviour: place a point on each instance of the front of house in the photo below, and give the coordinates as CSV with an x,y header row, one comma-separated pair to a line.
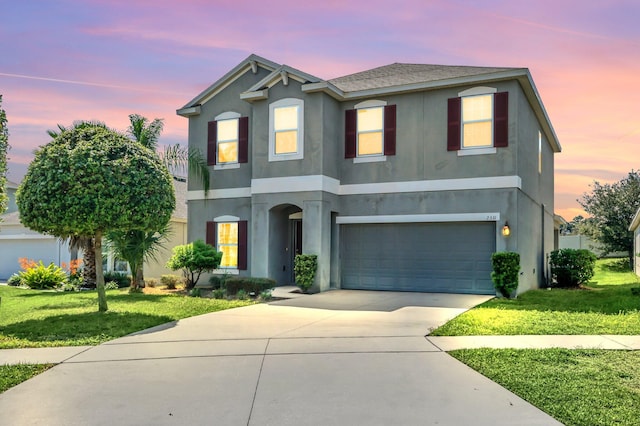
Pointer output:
x,y
403,177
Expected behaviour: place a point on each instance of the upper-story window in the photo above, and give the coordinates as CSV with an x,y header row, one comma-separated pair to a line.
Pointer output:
x,y
370,131
227,141
286,130
228,137
478,121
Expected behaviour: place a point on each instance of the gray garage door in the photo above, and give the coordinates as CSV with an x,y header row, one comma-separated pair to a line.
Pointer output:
x,y
425,257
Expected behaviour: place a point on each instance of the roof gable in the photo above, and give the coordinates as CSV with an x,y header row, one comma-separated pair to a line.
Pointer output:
x,y
250,64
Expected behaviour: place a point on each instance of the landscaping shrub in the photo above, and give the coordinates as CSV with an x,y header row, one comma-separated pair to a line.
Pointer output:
x,y
572,267
194,259
305,266
219,293
112,285
151,282
248,285
218,281
43,277
170,281
266,295
242,295
506,266
118,277
15,280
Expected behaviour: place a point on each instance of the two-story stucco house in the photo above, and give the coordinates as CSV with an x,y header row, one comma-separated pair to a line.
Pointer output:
x,y
402,177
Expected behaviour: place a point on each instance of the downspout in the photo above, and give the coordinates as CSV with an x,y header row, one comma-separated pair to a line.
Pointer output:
x,y
542,255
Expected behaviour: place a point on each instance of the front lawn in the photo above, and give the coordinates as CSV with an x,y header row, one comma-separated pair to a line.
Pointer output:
x,y
577,387
11,375
606,307
34,318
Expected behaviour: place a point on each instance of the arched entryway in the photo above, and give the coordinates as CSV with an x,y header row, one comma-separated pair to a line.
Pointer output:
x,y
285,241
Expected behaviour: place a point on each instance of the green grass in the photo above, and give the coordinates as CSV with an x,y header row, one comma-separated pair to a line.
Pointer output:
x,y
607,308
577,387
33,318
11,375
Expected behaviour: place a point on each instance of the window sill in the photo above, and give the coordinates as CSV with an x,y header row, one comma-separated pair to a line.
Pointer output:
x,y
476,151
226,271
226,166
371,159
285,157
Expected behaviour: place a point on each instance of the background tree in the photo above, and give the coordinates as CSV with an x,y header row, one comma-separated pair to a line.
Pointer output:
x,y
572,227
612,207
4,147
90,180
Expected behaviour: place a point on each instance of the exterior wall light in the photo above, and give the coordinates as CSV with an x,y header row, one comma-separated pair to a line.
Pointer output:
x,y
506,231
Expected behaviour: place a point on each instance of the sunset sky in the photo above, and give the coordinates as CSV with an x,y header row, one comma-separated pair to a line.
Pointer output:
x,y
68,60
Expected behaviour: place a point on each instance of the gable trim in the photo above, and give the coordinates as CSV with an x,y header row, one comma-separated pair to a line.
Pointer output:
x,y
249,64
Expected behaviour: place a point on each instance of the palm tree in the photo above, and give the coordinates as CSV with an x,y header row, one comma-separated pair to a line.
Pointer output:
x,y
136,247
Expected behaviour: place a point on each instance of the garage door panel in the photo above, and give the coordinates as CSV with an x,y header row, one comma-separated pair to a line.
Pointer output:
x,y
443,257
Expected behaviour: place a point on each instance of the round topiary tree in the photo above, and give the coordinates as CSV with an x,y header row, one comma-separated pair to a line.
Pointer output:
x,y
90,180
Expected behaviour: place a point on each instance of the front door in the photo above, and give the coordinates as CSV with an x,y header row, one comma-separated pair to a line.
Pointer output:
x,y
295,244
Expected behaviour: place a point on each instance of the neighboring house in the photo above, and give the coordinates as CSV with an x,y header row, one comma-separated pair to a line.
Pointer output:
x,y
635,228
155,268
401,177
18,241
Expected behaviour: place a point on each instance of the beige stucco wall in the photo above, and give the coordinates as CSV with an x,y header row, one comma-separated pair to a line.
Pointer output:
x,y
156,268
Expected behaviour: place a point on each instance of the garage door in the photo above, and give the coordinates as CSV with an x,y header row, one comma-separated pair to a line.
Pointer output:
x,y
425,257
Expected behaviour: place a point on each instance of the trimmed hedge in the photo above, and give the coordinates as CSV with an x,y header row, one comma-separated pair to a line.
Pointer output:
x,y
506,266
248,284
572,267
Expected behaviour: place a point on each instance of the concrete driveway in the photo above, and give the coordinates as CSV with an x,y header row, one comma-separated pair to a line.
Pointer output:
x,y
338,358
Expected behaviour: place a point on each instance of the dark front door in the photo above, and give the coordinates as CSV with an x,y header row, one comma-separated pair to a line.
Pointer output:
x,y
296,243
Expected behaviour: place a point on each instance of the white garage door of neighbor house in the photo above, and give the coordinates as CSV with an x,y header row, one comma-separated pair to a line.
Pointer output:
x,y
47,250
423,257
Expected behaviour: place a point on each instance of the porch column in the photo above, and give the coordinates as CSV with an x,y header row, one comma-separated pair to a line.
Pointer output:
x,y
316,231
259,240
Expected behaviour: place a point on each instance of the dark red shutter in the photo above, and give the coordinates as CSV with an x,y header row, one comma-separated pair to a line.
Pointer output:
x,y
210,234
350,133
243,140
242,245
390,130
212,139
501,120
453,124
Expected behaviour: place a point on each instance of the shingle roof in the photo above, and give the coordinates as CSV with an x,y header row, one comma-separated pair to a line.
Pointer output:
x,y
399,74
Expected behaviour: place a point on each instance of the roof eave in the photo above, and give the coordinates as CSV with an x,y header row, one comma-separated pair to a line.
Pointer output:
x,y
324,87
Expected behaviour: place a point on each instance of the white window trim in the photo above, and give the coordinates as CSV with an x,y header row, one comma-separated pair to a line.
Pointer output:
x,y
483,150
227,115
539,152
371,158
480,150
299,154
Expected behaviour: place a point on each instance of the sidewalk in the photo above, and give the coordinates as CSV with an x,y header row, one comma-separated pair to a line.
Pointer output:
x,y
442,343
